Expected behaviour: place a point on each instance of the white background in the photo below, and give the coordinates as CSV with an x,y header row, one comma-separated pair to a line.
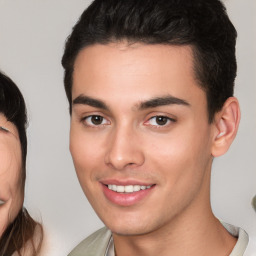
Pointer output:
x,y
32,35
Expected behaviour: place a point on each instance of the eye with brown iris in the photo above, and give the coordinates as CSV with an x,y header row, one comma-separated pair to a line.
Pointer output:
x,y
161,120
96,120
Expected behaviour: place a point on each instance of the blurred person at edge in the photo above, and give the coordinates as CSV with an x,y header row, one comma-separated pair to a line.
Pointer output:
x,y
20,235
150,87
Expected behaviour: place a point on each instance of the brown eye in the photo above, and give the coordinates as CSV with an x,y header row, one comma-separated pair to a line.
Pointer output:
x,y
97,120
161,120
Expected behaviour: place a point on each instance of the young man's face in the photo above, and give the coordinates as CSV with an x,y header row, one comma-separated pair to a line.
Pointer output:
x,y
140,126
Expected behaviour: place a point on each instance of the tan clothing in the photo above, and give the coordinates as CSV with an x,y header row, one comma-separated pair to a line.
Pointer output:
x,y
94,245
100,243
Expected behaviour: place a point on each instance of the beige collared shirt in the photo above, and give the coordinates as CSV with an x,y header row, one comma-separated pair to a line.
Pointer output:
x,y
101,243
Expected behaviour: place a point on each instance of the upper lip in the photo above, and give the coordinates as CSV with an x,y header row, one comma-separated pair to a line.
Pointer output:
x,y
125,182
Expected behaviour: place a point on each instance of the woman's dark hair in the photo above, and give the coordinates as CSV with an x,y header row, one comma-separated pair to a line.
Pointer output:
x,y
202,24
22,229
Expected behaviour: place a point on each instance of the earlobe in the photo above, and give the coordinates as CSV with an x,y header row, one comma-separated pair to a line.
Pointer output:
x,y
225,126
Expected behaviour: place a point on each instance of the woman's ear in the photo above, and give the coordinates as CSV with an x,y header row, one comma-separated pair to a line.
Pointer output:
x,y
226,124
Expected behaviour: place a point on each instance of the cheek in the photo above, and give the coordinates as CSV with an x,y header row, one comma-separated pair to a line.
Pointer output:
x,y
13,191
83,149
182,156
87,158
11,185
181,163
10,172
17,202
87,153
16,188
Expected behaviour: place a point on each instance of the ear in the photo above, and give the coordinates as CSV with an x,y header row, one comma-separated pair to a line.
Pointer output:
x,y
226,124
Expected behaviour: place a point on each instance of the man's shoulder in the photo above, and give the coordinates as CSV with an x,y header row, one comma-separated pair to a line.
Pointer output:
x,y
245,245
94,245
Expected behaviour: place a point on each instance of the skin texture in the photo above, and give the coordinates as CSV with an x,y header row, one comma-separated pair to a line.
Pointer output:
x,y
11,191
128,146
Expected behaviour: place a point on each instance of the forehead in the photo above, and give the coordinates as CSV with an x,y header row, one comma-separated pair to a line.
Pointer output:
x,y
135,70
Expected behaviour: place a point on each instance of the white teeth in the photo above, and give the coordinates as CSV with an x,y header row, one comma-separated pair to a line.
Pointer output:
x,y
119,188
136,188
128,188
1,202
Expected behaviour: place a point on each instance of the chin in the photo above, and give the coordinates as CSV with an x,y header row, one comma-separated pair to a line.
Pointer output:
x,y
125,227
132,231
128,231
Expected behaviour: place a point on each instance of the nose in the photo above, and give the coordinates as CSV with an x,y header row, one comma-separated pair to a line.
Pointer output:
x,y
124,149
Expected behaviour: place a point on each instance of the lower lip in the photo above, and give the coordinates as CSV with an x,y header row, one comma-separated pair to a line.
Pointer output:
x,y
126,199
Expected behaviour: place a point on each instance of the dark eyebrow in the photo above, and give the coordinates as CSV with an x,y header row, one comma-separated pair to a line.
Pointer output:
x,y
152,103
162,101
85,100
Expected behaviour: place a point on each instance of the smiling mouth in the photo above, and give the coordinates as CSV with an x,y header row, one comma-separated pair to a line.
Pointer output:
x,y
127,188
126,194
2,202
